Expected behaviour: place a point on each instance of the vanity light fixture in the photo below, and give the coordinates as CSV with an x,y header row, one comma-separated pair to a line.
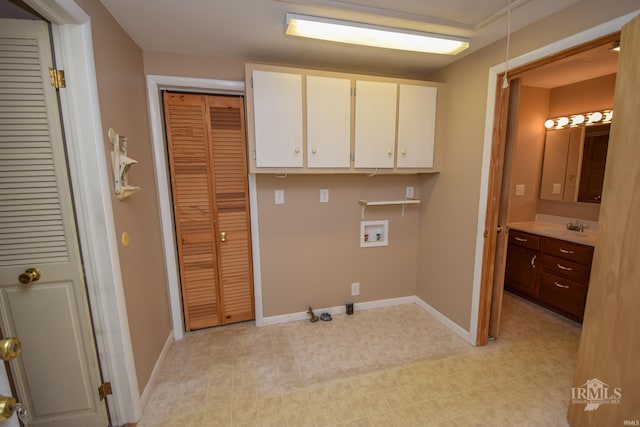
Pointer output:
x,y
615,47
582,119
373,35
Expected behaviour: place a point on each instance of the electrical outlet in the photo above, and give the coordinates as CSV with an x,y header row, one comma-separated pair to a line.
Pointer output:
x,y
520,190
324,195
556,188
355,289
279,196
409,192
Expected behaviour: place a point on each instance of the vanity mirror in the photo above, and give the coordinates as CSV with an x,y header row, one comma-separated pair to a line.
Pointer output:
x,y
574,162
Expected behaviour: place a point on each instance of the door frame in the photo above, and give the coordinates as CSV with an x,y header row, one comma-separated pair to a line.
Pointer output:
x,y
481,296
91,184
156,83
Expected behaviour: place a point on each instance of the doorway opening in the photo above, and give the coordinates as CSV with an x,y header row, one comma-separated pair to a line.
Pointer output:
x,y
536,91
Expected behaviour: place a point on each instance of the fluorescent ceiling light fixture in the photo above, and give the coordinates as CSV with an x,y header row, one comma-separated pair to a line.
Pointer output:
x,y
373,35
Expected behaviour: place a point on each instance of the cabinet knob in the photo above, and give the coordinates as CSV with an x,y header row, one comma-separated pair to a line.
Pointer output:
x,y
296,150
404,152
389,153
314,151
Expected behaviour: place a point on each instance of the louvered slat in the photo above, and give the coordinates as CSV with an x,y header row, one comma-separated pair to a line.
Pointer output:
x,y
226,115
31,222
192,197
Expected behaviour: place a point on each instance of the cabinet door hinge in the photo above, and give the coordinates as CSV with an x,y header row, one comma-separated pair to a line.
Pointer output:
x,y
104,390
252,82
57,78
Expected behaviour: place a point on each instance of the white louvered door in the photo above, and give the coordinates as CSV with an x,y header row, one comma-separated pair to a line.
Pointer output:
x,y
57,375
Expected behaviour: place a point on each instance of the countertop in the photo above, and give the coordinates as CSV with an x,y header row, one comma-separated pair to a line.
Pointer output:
x,y
558,230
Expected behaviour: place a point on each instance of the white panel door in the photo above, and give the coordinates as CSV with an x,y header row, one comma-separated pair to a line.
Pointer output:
x,y
416,126
328,122
277,109
57,375
375,127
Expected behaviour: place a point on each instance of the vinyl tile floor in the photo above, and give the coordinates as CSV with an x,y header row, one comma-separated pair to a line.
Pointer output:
x,y
392,366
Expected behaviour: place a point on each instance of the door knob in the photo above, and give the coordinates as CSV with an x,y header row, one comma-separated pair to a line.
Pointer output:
x,y
223,237
7,407
31,275
10,348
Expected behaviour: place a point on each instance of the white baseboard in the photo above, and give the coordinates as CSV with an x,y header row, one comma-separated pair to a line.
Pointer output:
x,y
339,309
146,394
445,320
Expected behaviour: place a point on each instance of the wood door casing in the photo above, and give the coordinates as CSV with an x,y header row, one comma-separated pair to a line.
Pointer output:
x,y
207,159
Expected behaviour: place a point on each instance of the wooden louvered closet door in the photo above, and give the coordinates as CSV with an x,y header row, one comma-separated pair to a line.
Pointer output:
x,y
207,157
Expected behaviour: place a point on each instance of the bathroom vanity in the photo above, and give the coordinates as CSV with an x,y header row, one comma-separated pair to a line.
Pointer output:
x,y
550,265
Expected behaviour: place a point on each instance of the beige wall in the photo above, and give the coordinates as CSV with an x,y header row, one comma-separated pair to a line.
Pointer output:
x,y
527,157
581,97
310,251
449,220
121,88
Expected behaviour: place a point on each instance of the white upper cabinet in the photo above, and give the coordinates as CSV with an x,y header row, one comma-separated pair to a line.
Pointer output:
x,y
416,126
306,121
375,124
277,107
328,122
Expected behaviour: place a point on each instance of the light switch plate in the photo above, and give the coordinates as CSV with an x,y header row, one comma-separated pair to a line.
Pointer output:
x,y
520,190
409,193
279,196
324,195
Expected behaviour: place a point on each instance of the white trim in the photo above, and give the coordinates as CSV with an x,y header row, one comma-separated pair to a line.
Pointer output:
x,y
550,49
255,248
96,227
146,394
154,84
339,309
445,321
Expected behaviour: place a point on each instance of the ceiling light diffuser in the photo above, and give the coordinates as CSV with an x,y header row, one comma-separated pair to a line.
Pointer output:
x,y
373,35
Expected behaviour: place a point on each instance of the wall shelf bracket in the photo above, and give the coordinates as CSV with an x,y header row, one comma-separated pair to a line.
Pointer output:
x,y
365,203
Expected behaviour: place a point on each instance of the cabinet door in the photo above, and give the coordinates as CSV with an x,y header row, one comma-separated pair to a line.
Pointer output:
x,y
328,122
277,105
520,275
375,124
416,126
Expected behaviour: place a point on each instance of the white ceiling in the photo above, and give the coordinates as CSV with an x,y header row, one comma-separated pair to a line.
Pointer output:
x,y
254,29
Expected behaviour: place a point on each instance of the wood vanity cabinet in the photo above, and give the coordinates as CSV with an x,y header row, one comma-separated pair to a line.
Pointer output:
x,y
521,274
554,273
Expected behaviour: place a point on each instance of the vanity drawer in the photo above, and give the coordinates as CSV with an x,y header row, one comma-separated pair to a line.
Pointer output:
x,y
565,268
568,250
563,294
526,240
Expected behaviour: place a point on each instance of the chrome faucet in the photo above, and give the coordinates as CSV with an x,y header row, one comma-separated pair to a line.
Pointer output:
x,y
577,226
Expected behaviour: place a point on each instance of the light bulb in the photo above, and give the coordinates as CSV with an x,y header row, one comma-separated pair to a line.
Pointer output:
x,y
578,119
563,121
595,117
549,123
